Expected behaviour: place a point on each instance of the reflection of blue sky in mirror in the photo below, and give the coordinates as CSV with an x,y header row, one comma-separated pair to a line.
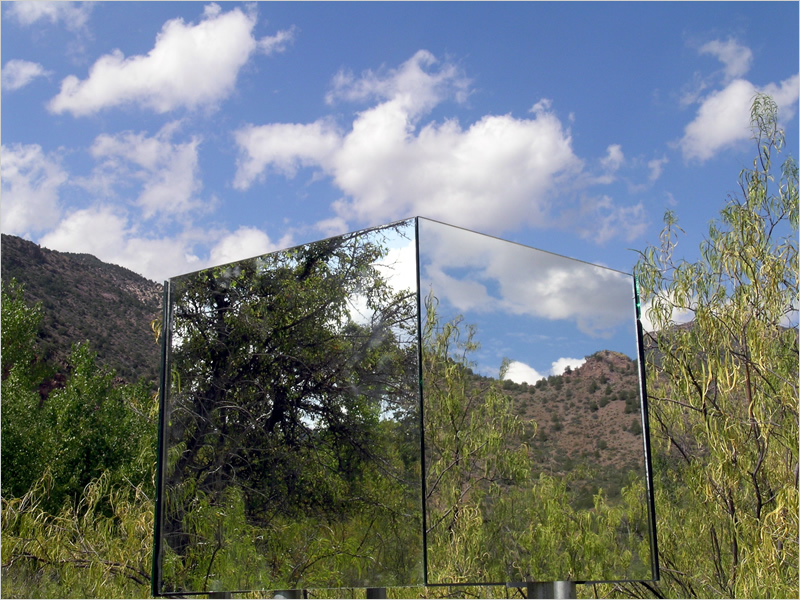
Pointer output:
x,y
398,268
541,310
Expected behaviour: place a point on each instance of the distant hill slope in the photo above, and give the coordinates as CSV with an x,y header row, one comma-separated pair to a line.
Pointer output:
x,y
86,299
589,417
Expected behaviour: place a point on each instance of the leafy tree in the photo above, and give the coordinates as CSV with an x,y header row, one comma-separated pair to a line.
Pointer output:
x,y
493,513
285,403
723,390
23,443
96,428
78,465
473,452
98,547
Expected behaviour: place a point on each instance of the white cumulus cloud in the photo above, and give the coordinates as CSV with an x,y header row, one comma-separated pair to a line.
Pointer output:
x,y
191,65
498,173
284,147
723,116
114,237
31,181
245,242
18,73
106,233
519,372
167,172
559,366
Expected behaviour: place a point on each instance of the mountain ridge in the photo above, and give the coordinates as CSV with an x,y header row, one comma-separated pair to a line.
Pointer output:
x,y
86,299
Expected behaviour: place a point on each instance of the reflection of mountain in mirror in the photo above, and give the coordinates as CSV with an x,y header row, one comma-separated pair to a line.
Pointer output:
x,y
532,418
542,309
290,455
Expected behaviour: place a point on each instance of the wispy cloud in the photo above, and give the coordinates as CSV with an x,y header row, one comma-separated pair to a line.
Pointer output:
x,y
723,115
74,15
18,73
190,65
31,181
735,57
167,172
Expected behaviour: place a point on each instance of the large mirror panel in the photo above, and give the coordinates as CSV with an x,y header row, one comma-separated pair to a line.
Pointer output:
x,y
535,462
290,444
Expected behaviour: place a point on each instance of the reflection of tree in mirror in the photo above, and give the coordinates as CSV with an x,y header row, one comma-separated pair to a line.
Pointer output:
x,y
301,419
506,498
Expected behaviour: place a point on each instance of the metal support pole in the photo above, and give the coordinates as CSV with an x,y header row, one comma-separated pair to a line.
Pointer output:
x,y
551,589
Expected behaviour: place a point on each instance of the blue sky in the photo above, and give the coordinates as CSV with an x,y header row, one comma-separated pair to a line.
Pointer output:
x,y
170,136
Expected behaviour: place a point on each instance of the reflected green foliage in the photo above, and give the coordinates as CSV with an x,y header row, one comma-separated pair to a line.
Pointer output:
x,y
493,515
292,454
293,431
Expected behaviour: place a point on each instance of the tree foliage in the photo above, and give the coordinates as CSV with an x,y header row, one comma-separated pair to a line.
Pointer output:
x,y
77,478
494,514
724,389
293,399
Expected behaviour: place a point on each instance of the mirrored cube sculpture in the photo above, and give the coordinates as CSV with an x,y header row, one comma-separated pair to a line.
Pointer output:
x,y
405,405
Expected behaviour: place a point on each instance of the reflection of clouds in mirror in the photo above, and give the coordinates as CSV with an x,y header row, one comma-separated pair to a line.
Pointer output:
x,y
479,273
398,269
463,294
598,300
399,266
519,372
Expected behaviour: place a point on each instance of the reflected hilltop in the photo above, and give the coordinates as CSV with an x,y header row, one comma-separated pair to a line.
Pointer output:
x,y
589,415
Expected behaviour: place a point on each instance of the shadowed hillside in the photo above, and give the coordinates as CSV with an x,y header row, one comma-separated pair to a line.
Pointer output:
x,y
86,299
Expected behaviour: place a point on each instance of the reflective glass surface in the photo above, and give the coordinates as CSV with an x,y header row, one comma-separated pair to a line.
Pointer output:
x,y
290,441
534,439
409,404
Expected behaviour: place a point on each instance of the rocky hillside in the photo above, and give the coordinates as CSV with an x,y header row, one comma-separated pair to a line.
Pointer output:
x,y
85,299
587,419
